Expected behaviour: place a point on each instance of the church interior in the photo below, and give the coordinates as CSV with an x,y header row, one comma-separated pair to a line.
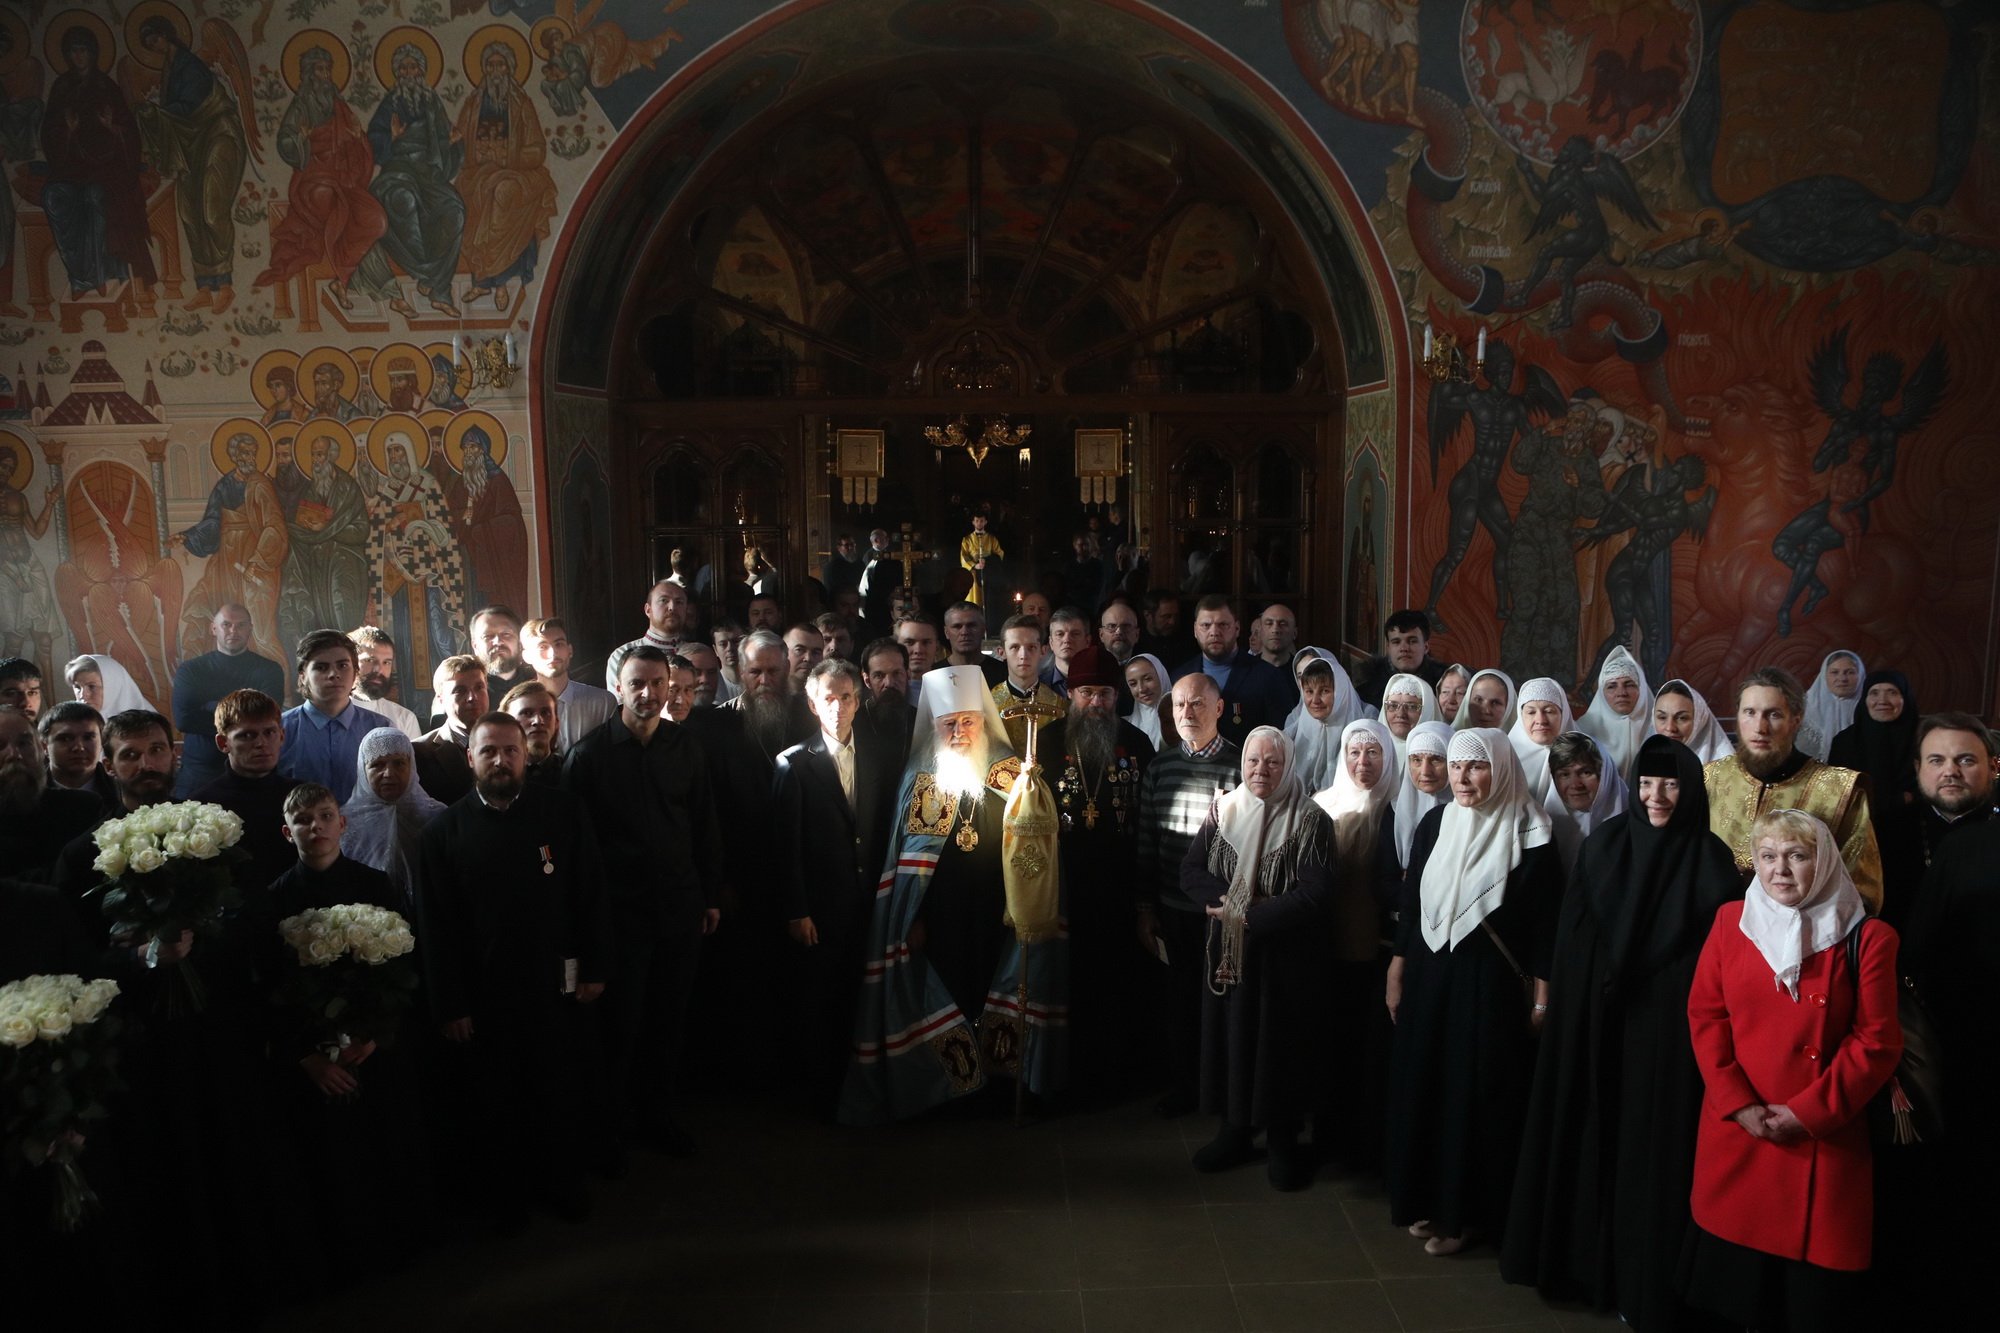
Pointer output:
x,y
537,302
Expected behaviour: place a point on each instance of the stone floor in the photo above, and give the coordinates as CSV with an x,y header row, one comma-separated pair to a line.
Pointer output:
x,y
1085,1222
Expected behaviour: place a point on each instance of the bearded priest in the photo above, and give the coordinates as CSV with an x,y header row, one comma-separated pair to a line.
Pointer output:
x,y
940,1007
1094,760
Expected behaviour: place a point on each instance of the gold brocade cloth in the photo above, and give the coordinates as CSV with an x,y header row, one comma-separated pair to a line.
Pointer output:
x,y
1834,796
1028,863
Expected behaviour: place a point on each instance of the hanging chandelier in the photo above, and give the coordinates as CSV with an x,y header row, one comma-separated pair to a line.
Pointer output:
x,y
996,434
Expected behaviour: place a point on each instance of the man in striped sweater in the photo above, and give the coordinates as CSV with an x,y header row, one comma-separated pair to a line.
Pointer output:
x,y
1180,785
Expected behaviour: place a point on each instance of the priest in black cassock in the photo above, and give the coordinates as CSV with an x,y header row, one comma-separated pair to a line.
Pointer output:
x,y
248,730
832,796
1093,760
644,786
37,820
350,1103
1600,1207
510,895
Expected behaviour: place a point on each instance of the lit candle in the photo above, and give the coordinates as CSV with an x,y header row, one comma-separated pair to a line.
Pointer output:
x,y
1427,342
1482,343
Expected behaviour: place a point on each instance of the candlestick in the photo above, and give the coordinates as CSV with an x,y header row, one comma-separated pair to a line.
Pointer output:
x,y
1427,342
1482,344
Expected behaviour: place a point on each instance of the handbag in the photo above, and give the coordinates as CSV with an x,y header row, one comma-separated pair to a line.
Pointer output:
x,y
1910,1107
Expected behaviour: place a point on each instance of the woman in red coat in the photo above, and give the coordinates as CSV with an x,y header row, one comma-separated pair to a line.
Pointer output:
x,y
1792,1044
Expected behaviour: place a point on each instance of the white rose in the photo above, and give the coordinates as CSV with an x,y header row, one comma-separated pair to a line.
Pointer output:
x,y
372,953
137,842
16,1028
147,860
320,951
55,1024
174,844
202,845
110,833
110,862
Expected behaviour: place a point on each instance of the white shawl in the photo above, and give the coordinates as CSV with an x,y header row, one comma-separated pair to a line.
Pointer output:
x,y
1787,936
1622,736
1465,878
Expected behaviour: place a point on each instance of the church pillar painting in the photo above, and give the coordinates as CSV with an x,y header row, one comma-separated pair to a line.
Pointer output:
x,y
1738,268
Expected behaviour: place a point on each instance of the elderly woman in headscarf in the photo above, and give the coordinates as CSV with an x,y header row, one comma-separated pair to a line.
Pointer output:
x,y
1616,1077
1327,703
1541,713
1466,988
1451,688
388,809
1882,742
1680,713
99,680
1794,1020
1147,677
1262,869
1831,702
1622,713
1489,701
1584,791
1407,699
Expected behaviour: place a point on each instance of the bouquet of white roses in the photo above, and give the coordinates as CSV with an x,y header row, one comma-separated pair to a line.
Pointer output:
x,y
57,1065
169,868
355,977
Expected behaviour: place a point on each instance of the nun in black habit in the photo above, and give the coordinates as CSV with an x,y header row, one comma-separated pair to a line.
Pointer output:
x,y
1600,1206
1262,868
1472,957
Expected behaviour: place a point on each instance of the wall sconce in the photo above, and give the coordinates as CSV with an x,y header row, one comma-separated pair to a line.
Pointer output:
x,y
858,462
493,361
1444,359
1100,461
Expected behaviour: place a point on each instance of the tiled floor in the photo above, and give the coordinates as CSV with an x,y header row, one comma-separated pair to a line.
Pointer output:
x,y
1087,1222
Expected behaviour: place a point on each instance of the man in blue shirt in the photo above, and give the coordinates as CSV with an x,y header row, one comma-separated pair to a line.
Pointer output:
x,y
1253,691
323,734
205,681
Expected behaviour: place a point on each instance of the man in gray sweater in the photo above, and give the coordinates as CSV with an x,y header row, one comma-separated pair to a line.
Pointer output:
x,y
1180,785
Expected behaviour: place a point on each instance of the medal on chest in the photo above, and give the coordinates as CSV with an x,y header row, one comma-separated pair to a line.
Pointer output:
x,y
548,861
968,836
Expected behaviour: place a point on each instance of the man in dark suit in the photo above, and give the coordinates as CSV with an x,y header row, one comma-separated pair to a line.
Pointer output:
x,y
442,768
833,793
1253,691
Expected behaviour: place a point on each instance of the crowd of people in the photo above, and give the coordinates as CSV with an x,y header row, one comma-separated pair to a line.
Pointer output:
x,y
1618,994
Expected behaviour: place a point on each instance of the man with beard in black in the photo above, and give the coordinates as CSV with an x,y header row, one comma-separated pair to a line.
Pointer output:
x,y
37,820
210,1167
887,712
741,740
496,642
1093,760
514,937
647,793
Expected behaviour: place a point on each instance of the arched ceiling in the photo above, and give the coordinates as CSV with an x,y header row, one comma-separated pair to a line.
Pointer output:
x,y
1113,168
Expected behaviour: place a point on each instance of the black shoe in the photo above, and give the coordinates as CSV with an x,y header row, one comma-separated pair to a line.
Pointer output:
x,y
1291,1166
1174,1105
1232,1146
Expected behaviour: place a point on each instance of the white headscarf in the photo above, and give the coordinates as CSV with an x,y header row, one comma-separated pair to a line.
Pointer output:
x,y
1147,717
121,692
1412,803
1262,834
1404,682
380,833
1708,740
1827,714
1571,828
1455,669
1787,936
1478,846
1316,744
1464,720
1345,796
1534,757
1622,736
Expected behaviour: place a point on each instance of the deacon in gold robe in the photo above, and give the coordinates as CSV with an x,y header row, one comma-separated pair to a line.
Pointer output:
x,y
1769,772
976,551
